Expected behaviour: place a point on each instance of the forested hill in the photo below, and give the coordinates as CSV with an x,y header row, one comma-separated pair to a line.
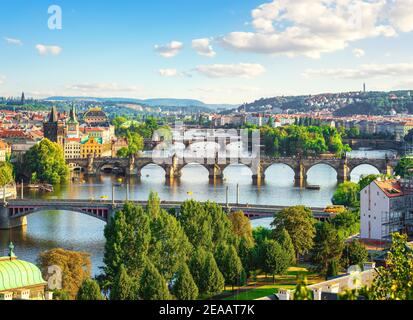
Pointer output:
x,y
341,104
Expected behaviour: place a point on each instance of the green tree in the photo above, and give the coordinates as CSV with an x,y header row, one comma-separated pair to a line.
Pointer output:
x,y
301,291
347,194
395,281
89,290
124,286
135,144
153,285
299,223
332,269
197,224
169,246
367,180
220,224
403,167
328,246
128,237
230,265
184,287
354,253
6,173
276,260
283,238
46,160
212,281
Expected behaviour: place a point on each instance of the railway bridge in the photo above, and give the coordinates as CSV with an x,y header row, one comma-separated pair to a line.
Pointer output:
x,y
13,213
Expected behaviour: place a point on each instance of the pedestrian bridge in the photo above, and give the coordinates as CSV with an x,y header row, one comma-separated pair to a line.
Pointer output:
x,y
13,213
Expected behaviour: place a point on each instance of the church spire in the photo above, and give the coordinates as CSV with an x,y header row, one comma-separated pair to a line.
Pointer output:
x,y
53,117
72,115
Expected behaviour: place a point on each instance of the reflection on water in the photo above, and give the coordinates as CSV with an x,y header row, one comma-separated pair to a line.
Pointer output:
x,y
73,231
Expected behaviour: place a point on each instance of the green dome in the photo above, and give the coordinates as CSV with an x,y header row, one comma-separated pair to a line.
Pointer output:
x,y
16,274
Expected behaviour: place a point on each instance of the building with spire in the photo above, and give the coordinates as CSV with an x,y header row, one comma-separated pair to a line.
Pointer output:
x,y
53,128
21,280
72,125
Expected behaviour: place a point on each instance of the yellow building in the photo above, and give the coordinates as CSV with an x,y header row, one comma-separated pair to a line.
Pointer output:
x,y
91,147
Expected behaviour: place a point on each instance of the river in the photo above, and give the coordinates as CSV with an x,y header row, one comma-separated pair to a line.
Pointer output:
x,y
73,231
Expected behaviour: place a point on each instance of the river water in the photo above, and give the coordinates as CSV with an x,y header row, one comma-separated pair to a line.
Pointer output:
x,y
73,231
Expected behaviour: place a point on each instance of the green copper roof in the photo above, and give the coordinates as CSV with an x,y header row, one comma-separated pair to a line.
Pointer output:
x,y
16,273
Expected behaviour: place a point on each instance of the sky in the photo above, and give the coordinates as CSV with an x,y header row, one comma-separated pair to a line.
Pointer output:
x,y
216,51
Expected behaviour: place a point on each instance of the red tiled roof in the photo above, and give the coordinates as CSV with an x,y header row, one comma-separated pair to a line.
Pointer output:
x,y
391,188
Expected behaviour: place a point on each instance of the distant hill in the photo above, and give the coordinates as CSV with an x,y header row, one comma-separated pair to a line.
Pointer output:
x,y
161,102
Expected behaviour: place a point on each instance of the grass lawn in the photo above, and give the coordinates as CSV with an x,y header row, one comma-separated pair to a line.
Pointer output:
x,y
265,286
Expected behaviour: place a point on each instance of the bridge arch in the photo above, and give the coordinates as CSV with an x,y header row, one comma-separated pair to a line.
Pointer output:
x,y
100,213
355,175
111,167
202,170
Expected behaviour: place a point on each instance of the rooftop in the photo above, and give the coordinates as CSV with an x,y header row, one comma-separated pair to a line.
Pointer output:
x,y
392,187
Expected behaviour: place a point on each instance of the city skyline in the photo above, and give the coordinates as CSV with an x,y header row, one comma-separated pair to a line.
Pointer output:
x,y
232,53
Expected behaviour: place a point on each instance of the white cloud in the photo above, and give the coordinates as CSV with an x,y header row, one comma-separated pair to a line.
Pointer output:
x,y
12,41
401,15
2,79
168,72
364,71
169,50
359,53
243,70
311,28
44,50
203,47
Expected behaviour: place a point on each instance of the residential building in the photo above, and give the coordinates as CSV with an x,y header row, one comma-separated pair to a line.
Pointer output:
x,y
386,206
72,148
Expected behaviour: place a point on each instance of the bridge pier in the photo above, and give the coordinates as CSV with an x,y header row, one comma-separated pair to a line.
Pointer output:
x,y
7,223
300,175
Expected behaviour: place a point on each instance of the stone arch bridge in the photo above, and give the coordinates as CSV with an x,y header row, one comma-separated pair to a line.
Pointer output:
x,y
173,167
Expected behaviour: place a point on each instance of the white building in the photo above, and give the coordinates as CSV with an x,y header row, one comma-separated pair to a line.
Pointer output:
x,y
385,208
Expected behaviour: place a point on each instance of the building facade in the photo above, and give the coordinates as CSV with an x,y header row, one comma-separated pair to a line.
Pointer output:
x,y
386,207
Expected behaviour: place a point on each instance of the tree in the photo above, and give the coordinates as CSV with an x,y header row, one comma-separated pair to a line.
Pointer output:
x,y
328,246
124,287
301,291
220,224
46,160
6,173
332,269
184,287
128,236
347,194
89,290
354,253
230,265
212,281
169,246
75,268
276,260
395,282
197,224
299,223
241,226
367,180
283,238
153,285
403,167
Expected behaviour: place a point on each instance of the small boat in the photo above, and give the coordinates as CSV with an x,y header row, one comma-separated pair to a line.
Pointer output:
x,y
313,187
33,186
190,193
117,184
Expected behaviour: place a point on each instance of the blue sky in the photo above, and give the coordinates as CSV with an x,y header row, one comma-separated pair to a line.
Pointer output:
x,y
218,51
